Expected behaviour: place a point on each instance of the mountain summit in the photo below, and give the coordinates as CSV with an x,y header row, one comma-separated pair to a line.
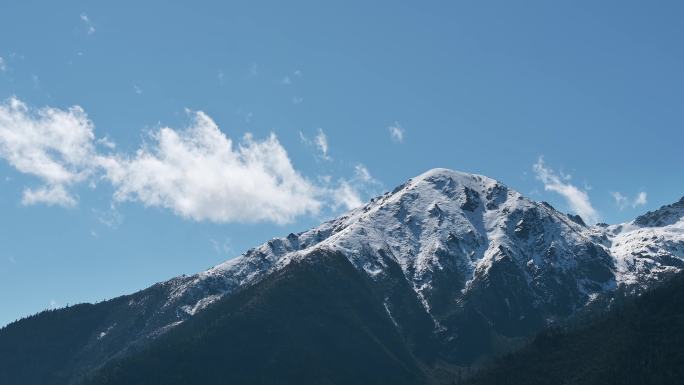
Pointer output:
x,y
460,266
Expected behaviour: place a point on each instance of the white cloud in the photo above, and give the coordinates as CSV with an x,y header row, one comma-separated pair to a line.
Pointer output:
x,y
320,142
3,65
111,217
90,28
396,132
362,173
57,146
55,195
346,195
640,200
105,141
577,199
349,193
620,200
198,173
222,247
623,202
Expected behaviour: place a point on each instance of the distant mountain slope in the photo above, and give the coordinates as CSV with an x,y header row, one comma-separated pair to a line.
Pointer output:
x,y
42,349
56,346
481,265
317,321
641,343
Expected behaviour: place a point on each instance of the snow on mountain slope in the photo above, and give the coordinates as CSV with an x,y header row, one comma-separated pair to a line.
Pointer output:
x,y
448,220
447,230
649,247
464,267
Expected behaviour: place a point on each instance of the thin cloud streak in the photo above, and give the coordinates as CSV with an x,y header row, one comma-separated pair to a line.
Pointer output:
x,y
623,202
576,198
396,132
90,28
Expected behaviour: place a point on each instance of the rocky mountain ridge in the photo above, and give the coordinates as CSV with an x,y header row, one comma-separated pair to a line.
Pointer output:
x,y
460,258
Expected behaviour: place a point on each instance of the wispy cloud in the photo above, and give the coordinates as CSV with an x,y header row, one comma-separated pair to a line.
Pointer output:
x,y
362,173
56,195
297,100
623,202
288,80
352,193
620,200
110,217
347,196
320,142
640,199
345,193
222,247
137,89
576,198
90,28
396,132
3,64
106,142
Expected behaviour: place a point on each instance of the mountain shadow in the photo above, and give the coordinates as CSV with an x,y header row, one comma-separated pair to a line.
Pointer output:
x,y
315,322
639,342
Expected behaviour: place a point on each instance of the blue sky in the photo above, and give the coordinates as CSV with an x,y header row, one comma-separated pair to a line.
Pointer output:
x,y
143,141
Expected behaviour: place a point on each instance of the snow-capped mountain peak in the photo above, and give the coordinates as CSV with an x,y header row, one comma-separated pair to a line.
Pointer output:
x,y
449,226
456,260
470,250
664,216
649,247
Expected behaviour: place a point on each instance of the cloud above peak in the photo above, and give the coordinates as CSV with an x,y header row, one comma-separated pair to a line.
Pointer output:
x,y
623,202
576,198
320,142
349,193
